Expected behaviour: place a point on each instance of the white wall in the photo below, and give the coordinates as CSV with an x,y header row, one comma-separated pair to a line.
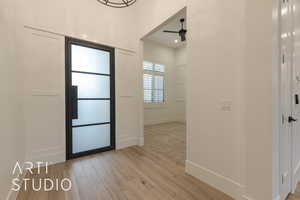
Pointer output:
x,y
151,14
43,83
11,134
87,20
42,67
214,92
128,100
44,102
229,91
276,100
38,133
229,65
180,83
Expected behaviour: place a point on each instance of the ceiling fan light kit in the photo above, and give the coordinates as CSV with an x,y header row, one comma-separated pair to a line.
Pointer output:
x,y
117,3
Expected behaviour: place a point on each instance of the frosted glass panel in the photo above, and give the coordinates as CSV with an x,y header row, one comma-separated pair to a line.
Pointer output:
x,y
91,86
92,111
90,137
90,60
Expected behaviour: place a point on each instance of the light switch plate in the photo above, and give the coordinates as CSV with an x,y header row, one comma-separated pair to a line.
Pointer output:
x,y
226,106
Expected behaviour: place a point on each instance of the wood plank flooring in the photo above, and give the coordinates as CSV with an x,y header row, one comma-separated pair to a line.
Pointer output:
x,y
152,172
296,195
167,139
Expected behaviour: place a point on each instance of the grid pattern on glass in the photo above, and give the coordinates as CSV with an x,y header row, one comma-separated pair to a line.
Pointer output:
x,y
90,137
154,83
92,112
86,59
90,69
91,86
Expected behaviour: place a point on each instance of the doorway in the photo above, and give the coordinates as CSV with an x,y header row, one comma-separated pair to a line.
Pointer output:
x,y
289,157
90,98
164,66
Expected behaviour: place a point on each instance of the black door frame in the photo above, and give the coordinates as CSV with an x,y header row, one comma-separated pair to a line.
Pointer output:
x,y
68,89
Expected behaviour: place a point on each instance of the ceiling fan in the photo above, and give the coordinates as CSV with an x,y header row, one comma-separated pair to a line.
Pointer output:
x,y
181,32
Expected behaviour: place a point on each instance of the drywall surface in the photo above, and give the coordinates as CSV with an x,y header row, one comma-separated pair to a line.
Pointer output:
x,y
214,93
11,142
43,67
229,59
88,20
180,83
258,77
152,14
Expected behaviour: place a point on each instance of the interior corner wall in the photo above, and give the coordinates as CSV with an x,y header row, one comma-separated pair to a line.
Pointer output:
x,y
152,13
229,67
259,77
12,144
215,93
180,83
276,116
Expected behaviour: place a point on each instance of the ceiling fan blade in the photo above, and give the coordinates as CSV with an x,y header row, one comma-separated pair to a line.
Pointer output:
x,y
171,31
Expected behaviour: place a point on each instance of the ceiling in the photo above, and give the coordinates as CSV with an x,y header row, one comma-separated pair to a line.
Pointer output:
x,y
168,39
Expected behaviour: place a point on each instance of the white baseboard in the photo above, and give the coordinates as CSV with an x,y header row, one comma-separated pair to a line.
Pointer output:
x,y
245,197
156,122
50,155
127,142
222,183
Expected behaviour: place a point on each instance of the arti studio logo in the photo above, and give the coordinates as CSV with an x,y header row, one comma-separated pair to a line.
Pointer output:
x,y
45,184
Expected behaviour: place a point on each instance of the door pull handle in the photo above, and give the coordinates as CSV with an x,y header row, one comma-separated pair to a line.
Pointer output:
x,y
74,100
291,119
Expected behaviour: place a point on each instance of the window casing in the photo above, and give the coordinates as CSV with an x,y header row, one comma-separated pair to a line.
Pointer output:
x,y
154,82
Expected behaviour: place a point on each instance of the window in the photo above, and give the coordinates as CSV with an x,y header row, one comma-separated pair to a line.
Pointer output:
x,y
154,83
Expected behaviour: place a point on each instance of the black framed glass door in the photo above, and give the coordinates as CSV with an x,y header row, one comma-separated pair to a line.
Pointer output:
x,y
90,98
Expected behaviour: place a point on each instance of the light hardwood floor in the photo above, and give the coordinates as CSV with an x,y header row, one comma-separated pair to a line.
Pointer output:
x,y
296,195
167,139
152,172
